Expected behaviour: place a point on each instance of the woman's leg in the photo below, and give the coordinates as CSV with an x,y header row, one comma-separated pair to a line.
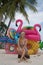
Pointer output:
x,y
27,55
23,54
19,51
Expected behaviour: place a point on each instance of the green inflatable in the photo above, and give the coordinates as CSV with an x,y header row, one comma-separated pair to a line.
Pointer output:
x,y
41,45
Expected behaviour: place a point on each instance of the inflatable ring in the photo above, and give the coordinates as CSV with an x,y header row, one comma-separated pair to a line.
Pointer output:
x,y
33,47
12,34
11,48
9,34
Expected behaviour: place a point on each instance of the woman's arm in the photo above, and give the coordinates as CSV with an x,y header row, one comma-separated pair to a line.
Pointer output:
x,y
25,43
18,44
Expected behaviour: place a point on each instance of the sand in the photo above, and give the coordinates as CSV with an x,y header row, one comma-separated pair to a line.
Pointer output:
x,y
9,59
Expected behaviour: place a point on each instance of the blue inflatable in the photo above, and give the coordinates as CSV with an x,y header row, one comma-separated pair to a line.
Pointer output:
x,y
12,33
3,39
6,39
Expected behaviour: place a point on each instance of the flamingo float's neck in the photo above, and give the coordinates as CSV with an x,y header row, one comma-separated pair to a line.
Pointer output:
x,y
20,26
37,25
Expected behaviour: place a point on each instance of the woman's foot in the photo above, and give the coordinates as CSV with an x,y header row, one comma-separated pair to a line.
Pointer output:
x,y
25,59
27,56
20,60
19,56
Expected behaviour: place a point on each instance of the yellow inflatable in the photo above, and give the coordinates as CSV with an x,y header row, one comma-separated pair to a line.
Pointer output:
x,y
32,47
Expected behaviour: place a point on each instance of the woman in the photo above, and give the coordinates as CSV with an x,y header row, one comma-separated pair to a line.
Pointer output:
x,y
22,47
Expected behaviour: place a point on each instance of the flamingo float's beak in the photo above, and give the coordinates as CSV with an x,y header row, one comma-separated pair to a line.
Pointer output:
x,y
16,24
40,29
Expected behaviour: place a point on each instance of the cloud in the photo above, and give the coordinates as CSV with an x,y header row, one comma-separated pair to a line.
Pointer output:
x,y
40,5
34,18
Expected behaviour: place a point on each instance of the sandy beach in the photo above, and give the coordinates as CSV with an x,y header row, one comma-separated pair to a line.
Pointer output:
x,y
9,59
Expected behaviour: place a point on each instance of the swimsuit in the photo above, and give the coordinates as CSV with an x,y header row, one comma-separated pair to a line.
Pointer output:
x,y
22,45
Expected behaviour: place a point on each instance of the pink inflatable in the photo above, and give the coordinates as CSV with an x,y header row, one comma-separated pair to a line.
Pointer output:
x,y
37,25
8,48
33,37
29,34
21,23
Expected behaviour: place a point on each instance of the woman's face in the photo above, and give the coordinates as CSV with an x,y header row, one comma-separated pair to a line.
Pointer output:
x,y
23,35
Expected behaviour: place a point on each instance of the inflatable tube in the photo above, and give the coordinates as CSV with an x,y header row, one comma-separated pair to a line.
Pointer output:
x,y
8,32
12,33
6,40
9,40
11,48
13,36
33,37
3,39
31,32
33,47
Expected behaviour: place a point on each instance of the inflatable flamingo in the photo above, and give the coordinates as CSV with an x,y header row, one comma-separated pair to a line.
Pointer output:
x,y
21,23
29,34
20,28
37,25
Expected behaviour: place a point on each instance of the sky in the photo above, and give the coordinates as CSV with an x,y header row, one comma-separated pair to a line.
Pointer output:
x,y
34,18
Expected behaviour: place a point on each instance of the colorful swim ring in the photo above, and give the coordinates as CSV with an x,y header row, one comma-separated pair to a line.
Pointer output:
x,y
9,32
33,47
12,33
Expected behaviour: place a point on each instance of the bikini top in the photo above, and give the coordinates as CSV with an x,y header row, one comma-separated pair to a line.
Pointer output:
x,y
22,44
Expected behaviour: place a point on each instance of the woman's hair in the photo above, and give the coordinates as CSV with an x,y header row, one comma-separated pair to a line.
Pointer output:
x,y
22,33
20,39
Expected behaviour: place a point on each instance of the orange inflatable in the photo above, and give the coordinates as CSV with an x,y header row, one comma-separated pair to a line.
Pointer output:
x,y
32,47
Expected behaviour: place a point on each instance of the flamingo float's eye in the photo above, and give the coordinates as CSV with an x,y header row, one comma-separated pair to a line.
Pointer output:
x,y
16,24
40,29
